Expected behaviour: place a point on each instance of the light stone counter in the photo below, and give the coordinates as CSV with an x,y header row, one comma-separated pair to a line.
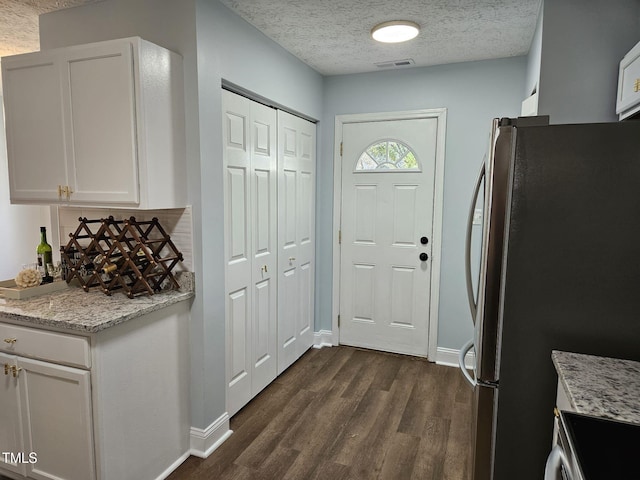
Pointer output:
x,y
600,386
89,312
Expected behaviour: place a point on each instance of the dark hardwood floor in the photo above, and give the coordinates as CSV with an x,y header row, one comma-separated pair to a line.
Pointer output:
x,y
345,413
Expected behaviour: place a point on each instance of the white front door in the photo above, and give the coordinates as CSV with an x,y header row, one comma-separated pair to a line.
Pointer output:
x,y
388,179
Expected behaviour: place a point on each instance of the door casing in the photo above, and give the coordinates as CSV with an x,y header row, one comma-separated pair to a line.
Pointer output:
x,y
441,115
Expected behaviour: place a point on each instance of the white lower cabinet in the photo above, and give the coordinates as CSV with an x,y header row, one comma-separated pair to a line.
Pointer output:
x,y
11,433
50,415
562,403
124,414
46,406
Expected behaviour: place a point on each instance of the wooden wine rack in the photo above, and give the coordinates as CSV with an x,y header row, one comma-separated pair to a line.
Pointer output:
x,y
140,254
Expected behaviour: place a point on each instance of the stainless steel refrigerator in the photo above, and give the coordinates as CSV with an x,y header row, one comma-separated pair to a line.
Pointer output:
x,y
559,270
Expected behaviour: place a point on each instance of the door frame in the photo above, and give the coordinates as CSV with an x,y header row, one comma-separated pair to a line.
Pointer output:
x,y
440,114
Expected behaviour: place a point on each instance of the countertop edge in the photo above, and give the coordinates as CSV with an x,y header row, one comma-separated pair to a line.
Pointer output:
x,y
39,322
600,386
75,311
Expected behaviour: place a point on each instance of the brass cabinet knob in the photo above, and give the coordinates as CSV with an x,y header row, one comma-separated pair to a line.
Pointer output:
x,y
16,371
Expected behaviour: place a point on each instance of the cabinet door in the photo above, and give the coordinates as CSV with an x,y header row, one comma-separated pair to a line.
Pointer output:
x,y
10,418
34,124
628,101
99,99
56,419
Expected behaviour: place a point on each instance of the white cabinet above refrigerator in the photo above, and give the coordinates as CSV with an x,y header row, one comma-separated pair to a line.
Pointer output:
x,y
100,124
628,101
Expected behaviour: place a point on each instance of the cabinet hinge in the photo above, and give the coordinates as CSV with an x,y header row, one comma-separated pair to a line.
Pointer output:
x,y
340,148
339,237
338,321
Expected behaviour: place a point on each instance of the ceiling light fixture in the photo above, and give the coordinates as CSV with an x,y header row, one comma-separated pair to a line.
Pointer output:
x,y
395,31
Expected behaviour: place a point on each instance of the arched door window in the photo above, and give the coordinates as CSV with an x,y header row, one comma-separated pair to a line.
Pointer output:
x,y
387,156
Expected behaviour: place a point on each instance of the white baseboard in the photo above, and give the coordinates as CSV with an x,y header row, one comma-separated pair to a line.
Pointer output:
x,y
323,338
205,442
444,356
173,466
449,357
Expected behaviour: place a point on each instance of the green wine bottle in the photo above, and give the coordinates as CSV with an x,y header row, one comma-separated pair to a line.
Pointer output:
x,y
44,256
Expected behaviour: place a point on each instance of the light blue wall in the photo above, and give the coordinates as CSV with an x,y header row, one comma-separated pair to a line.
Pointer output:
x,y
19,224
231,49
473,94
583,42
534,56
215,44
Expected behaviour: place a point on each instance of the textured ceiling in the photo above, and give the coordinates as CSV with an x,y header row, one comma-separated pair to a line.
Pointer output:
x,y
19,22
333,36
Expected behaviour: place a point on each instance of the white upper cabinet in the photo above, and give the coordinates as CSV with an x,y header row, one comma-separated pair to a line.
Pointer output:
x,y
96,125
628,101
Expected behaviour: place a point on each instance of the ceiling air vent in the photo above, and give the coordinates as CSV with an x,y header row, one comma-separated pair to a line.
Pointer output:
x,y
396,63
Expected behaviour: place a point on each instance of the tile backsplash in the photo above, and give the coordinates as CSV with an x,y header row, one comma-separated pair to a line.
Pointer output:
x,y
177,222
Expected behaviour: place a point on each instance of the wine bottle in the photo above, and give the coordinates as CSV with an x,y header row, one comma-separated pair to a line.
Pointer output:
x,y
44,256
113,263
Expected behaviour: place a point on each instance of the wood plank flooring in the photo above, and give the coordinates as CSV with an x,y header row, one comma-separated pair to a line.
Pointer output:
x,y
343,413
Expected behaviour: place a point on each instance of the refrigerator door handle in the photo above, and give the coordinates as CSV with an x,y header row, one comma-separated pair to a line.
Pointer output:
x,y
557,466
473,305
461,356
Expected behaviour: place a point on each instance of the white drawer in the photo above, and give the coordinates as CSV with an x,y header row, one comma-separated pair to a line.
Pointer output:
x,y
45,345
628,101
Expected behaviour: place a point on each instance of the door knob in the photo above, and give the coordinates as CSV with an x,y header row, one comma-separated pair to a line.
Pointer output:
x,y
424,257
424,240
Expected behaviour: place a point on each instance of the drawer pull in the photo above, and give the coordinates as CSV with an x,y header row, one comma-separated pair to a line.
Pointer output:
x,y
15,370
10,340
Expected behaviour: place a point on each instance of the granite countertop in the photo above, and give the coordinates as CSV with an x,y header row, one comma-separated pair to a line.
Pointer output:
x,y
90,312
600,386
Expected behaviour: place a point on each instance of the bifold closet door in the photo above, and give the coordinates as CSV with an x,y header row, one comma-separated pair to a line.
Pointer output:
x,y
296,236
249,132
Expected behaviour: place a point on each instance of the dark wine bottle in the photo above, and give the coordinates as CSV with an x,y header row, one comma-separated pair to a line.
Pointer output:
x,y
44,257
113,263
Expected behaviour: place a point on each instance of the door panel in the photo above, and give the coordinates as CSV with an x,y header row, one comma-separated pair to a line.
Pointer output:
x,y
388,174
33,108
237,191
296,237
10,416
249,131
102,115
63,441
238,312
264,224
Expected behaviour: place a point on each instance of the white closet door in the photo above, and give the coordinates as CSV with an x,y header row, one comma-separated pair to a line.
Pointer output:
x,y
296,237
249,131
264,245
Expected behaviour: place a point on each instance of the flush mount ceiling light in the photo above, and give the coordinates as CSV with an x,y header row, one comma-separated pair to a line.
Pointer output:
x,y
395,31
